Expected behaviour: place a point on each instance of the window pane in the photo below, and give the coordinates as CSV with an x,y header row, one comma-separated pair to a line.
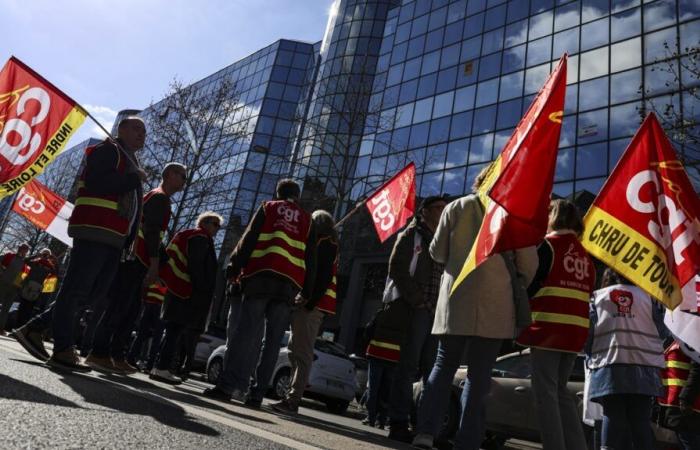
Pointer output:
x,y
594,63
655,45
509,113
461,125
565,165
626,55
659,14
443,104
423,110
566,41
593,126
471,49
464,98
484,119
567,138
593,9
595,34
539,51
439,130
516,33
514,59
480,149
457,153
511,86
453,183
404,115
624,120
490,66
487,92
566,17
592,160
626,24
660,78
535,78
593,94
541,25
625,86
493,41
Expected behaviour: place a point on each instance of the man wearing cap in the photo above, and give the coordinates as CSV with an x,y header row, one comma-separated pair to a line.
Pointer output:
x,y
417,279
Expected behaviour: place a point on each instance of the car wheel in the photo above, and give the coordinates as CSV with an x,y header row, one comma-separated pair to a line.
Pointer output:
x,y
281,385
337,406
214,370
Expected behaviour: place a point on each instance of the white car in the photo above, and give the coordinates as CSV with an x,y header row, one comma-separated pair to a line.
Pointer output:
x,y
332,378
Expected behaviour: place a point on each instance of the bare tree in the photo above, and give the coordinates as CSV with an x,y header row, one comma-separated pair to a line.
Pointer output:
x,y
678,115
196,125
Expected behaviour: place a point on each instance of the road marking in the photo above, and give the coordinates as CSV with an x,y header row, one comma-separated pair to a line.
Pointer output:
x,y
192,410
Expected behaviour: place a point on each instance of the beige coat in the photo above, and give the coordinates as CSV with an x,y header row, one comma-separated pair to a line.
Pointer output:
x,y
483,303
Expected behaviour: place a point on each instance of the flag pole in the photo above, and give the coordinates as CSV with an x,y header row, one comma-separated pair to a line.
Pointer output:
x,y
353,211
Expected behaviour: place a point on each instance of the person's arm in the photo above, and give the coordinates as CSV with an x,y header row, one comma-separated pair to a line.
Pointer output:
x,y
691,390
399,268
154,211
593,318
310,262
526,263
440,245
246,245
197,253
325,260
545,257
101,174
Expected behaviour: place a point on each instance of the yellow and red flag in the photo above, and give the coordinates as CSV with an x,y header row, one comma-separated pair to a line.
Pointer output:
x,y
36,122
394,203
45,210
645,222
516,191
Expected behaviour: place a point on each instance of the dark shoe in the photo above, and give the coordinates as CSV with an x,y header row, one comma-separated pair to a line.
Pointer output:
x,y
367,422
32,342
400,433
252,403
68,360
124,367
285,407
216,394
102,364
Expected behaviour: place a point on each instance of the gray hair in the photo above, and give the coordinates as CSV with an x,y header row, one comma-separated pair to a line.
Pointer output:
x,y
324,223
172,166
208,215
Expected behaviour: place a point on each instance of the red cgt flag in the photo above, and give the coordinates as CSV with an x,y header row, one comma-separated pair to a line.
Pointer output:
x,y
36,122
45,210
645,222
515,194
393,204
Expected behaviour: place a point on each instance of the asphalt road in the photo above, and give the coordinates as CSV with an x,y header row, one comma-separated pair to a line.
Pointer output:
x,y
41,408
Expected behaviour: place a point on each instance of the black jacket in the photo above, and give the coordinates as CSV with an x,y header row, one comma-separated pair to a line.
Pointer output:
x,y
327,251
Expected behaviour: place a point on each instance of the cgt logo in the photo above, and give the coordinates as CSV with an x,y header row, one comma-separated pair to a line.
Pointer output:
x,y
18,143
624,301
575,264
289,214
382,213
29,203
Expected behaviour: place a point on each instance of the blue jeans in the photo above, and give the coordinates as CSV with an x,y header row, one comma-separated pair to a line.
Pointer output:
x,y
90,272
627,417
481,355
379,374
417,353
246,323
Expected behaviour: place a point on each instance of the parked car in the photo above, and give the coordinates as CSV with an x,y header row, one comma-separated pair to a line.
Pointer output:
x,y
207,343
332,378
510,406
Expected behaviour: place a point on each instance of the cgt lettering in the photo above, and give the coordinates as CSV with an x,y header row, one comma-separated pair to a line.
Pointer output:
x,y
28,203
382,212
679,233
289,214
29,143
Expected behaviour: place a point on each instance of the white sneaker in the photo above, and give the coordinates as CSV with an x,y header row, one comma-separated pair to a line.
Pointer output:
x,y
238,396
165,376
423,441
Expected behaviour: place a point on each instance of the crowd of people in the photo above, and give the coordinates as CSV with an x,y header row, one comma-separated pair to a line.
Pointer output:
x,y
284,269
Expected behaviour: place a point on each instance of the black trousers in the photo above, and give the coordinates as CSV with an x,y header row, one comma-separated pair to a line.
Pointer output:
x,y
113,333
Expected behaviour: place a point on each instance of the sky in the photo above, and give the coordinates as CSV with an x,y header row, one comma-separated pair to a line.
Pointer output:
x,y
113,55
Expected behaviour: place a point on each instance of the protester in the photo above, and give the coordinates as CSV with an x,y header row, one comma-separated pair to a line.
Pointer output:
x,y
476,318
103,224
276,261
384,335
625,353
190,276
12,265
416,277
559,296
307,318
680,402
40,267
111,339
150,327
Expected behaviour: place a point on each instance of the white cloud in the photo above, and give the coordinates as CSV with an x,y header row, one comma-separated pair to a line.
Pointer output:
x,y
105,115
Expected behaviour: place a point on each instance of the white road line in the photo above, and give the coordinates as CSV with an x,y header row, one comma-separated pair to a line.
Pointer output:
x,y
195,411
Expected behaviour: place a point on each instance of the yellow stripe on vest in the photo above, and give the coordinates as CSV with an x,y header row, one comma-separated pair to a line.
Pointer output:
x,y
92,201
177,272
330,293
678,365
560,318
282,235
282,252
178,253
563,292
158,296
674,382
385,345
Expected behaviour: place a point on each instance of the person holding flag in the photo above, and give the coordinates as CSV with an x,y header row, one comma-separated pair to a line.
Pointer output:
x,y
275,263
416,277
103,224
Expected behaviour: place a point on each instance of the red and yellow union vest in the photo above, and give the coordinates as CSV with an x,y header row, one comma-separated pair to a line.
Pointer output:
x,y
281,245
383,349
155,293
327,303
560,309
140,244
675,376
99,211
175,274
